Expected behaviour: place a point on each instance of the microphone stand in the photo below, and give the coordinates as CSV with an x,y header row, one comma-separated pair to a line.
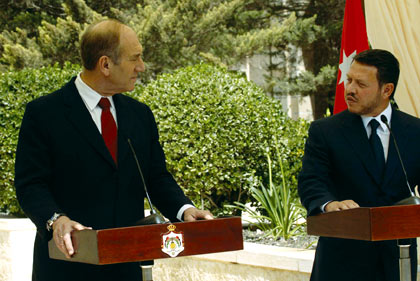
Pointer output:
x,y
413,199
153,218
403,244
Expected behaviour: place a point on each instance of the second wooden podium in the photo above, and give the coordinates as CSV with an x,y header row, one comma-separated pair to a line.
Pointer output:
x,y
372,224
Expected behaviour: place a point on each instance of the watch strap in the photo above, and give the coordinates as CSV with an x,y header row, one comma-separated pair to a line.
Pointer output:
x,y
53,219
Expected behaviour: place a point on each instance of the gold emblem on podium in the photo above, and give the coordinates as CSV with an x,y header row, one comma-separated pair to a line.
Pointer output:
x,y
172,242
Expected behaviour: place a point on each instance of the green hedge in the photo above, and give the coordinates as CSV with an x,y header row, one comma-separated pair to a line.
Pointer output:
x,y
16,90
215,128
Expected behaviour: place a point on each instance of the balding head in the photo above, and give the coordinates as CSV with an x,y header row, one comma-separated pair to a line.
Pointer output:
x,y
112,57
101,39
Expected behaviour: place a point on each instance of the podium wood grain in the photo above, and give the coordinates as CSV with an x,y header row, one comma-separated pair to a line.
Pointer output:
x,y
140,243
370,224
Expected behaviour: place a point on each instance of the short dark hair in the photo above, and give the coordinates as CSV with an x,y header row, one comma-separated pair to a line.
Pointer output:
x,y
98,42
385,62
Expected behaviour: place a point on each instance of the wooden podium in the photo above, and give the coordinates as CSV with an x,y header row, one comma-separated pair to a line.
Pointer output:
x,y
371,224
140,243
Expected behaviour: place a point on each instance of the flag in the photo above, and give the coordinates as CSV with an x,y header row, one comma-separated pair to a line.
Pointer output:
x,y
353,41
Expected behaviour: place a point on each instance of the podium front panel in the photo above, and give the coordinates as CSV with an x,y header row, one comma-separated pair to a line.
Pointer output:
x,y
351,224
370,224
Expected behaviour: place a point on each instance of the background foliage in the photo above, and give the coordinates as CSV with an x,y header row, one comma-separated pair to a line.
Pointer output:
x,y
16,90
215,128
185,32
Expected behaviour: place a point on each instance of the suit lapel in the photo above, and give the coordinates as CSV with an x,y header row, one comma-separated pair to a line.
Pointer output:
x,y
123,117
79,116
393,163
133,125
355,133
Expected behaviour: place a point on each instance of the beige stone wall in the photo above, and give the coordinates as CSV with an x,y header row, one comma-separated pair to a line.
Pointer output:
x,y
193,269
5,264
16,246
254,263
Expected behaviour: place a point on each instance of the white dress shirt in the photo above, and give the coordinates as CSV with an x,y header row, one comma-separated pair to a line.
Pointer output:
x,y
91,99
382,130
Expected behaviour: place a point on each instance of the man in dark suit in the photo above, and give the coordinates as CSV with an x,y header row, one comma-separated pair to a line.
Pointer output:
x,y
343,168
74,167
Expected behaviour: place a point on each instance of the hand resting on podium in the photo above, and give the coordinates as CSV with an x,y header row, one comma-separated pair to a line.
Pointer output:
x,y
340,205
193,214
62,229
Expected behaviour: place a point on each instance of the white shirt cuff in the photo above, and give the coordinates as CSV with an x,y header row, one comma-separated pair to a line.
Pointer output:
x,y
181,211
323,206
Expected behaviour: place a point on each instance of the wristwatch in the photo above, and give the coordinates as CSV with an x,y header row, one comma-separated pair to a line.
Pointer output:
x,y
53,219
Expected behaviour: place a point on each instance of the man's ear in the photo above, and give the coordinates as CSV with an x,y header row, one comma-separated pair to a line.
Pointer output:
x,y
104,65
387,90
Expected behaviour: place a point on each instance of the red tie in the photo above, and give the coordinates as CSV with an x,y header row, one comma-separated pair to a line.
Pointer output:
x,y
109,128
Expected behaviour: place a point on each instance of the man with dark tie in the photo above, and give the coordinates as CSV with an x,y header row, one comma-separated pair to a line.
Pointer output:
x,y
74,167
350,160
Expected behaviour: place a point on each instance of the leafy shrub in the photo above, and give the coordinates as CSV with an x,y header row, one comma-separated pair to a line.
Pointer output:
x,y
214,127
16,90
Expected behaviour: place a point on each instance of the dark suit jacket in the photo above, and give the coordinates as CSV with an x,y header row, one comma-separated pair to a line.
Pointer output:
x,y
338,164
63,165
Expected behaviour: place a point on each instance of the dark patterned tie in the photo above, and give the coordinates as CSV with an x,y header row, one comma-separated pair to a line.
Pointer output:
x,y
377,148
109,128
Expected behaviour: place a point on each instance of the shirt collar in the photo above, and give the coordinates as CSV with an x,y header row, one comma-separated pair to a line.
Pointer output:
x,y
387,112
89,95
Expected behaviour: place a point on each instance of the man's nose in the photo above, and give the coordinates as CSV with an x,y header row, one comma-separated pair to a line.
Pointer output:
x,y
140,67
349,87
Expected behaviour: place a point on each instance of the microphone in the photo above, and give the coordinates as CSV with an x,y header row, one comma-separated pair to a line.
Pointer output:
x,y
412,200
154,217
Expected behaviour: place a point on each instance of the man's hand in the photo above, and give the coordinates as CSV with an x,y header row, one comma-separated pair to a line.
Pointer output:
x,y
340,205
193,214
62,229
